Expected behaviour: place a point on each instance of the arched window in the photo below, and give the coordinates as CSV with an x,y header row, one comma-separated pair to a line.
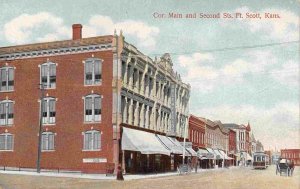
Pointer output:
x,y
48,75
6,142
7,79
49,110
92,108
92,140
47,141
93,71
6,112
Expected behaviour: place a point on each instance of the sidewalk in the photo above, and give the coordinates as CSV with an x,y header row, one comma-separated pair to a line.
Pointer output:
x,y
104,177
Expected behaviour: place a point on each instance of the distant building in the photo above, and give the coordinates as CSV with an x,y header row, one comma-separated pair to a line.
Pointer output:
x,y
196,132
259,146
253,144
232,146
291,154
243,145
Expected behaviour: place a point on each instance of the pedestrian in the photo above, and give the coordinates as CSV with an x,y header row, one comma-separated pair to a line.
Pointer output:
x,y
120,174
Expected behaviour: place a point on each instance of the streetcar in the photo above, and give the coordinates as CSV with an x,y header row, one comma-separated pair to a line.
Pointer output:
x,y
260,160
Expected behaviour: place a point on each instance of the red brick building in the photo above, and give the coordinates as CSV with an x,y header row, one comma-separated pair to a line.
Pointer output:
x,y
291,154
232,145
93,88
196,132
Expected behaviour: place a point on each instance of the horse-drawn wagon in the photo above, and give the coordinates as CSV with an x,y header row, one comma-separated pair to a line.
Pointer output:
x,y
285,166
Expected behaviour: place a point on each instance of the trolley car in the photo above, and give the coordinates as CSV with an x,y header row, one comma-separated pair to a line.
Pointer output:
x,y
260,160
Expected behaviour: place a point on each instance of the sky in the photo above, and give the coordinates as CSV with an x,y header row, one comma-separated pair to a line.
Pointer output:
x,y
229,81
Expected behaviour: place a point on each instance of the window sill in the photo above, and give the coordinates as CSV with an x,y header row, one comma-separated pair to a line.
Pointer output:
x,y
49,124
7,125
6,150
91,85
10,91
48,150
49,88
98,150
88,123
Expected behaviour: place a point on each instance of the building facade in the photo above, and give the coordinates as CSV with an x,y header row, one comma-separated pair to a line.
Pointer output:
x,y
92,87
197,132
243,144
291,154
232,146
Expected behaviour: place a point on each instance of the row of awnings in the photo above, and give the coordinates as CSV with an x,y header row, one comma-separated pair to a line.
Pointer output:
x,y
149,143
210,153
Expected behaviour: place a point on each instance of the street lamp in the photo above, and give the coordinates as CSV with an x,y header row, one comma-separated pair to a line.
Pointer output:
x,y
38,163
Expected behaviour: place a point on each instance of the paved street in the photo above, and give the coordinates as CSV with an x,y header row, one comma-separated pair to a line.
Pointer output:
x,y
236,178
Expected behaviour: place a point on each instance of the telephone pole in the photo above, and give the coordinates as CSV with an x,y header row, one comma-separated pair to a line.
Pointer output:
x,y
38,163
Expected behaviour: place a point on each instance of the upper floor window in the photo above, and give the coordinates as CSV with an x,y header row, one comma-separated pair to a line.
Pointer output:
x,y
6,112
93,71
6,142
48,75
49,111
92,140
47,141
92,108
7,79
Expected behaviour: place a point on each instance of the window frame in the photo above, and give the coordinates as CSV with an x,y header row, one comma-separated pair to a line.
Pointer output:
x,y
93,96
6,104
7,68
6,142
47,133
92,132
93,81
48,118
48,84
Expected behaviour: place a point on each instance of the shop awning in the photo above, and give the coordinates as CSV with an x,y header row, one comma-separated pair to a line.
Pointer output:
x,y
191,151
176,143
249,158
169,144
201,152
141,141
218,154
225,155
211,154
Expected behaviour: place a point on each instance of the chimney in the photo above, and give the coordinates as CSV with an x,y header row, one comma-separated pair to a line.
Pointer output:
x,y
77,31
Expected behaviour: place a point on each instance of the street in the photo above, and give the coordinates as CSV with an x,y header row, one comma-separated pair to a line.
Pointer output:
x,y
235,178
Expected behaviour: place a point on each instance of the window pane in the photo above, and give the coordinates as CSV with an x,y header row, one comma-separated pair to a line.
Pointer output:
x,y
3,80
88,109
9,142
52,111
10,79
50,141
44,73
88,141
45,116
2,114
52,75
97,106
97,140
44,141
2,142
10,113
88,73
97,72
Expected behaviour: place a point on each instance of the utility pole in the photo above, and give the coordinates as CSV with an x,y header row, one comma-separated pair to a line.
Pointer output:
x,y
38,163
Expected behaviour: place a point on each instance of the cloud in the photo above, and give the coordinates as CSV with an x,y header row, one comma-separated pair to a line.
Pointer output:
x,y
202,73
288,74
25,28
44,26
103,25
286,28
275,126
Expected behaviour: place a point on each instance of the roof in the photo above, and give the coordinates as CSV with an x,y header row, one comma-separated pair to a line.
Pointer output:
x,y
57,44
231,125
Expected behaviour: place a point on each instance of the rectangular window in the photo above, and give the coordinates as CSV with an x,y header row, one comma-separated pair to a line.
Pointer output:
x,y
49,111
6,113
92,108
92,140
6,142
47,141
7,79
48,75
93,72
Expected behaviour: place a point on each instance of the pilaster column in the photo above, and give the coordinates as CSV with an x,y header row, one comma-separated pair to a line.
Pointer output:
x,y
125,118
136,112
130,111
142,115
